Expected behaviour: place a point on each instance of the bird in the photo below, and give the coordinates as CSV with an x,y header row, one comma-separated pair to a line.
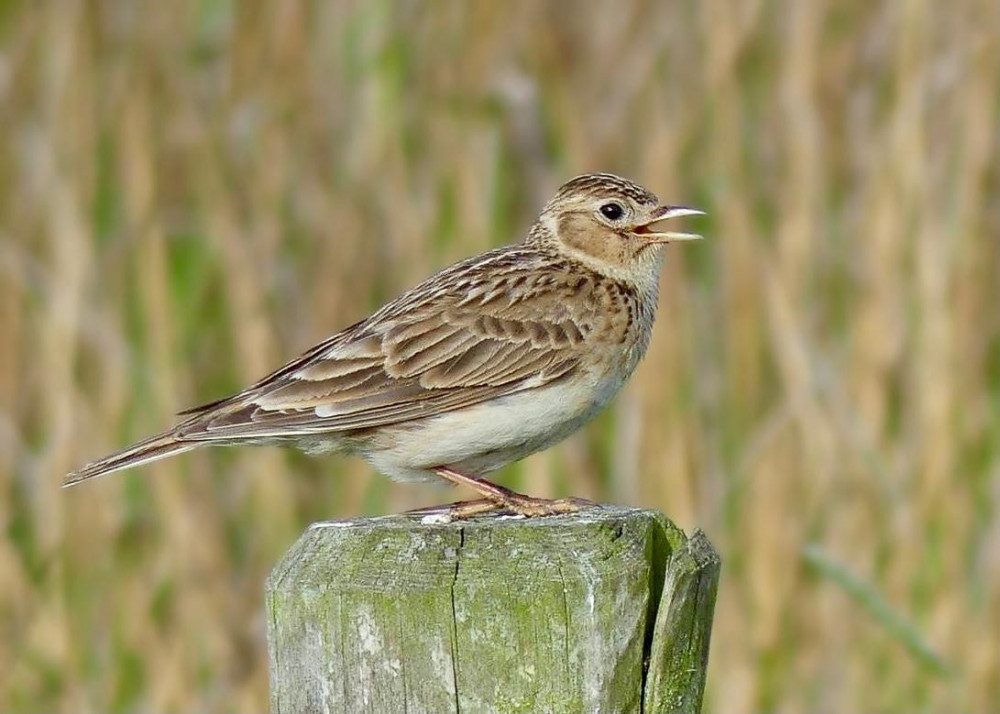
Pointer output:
x,y
489,360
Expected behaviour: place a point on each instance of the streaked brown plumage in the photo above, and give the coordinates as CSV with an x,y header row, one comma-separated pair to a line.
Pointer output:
x,y
487,361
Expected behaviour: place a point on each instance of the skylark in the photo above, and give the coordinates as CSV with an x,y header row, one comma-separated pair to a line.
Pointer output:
x,y
490,360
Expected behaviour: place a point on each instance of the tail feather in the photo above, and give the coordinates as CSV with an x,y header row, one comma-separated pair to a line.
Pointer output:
x,y
151,449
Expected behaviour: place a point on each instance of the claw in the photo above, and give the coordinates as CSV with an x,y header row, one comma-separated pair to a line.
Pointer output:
x,y
532,507
460,510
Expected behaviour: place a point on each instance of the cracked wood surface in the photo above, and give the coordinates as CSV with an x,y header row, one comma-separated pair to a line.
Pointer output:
x,y
557,614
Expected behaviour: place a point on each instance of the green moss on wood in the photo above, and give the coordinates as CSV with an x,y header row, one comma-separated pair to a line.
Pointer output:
x,y
678,658
502,615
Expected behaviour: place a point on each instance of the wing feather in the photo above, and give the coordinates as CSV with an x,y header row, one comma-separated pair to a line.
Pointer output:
x,y
456,341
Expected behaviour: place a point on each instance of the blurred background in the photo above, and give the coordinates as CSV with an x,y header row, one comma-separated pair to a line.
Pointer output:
x,y
193,192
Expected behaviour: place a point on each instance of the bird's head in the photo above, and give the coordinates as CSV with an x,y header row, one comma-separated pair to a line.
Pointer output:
x,y
612,225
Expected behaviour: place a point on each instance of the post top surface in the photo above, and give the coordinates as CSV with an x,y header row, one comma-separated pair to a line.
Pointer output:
x,y
406,547
414,522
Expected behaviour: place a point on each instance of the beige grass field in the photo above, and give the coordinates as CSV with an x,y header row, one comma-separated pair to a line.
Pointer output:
x,y
194,191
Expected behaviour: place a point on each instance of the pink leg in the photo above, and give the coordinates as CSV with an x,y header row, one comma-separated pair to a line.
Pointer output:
x,y
500,498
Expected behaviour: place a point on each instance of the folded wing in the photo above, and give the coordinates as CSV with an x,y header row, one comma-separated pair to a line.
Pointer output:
x,y
459,344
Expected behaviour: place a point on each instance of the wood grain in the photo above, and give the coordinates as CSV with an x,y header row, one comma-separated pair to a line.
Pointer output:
x,y
555,614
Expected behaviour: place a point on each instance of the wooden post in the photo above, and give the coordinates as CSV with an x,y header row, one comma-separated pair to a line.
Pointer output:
x,y
606,610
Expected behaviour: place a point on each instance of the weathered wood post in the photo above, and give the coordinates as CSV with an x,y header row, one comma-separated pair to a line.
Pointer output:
x,y
606,610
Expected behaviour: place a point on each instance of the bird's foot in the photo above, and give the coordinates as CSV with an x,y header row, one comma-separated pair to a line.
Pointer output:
x,y
457,511
516,504
498,498
531,507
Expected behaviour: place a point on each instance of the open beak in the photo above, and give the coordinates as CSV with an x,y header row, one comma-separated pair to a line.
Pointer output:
x,y
651,230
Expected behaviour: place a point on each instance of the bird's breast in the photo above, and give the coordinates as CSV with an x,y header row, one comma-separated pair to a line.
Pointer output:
x,y
484,437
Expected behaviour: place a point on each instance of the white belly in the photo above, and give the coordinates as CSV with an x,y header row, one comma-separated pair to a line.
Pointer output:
x,y
485,437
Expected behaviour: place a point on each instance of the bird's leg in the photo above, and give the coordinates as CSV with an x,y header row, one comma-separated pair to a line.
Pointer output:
x,y
504,499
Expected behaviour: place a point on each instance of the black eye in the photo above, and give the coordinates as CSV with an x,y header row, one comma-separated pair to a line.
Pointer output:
x,y
612,211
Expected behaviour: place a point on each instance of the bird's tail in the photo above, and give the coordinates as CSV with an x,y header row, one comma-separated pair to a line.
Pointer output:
x,y
151,449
